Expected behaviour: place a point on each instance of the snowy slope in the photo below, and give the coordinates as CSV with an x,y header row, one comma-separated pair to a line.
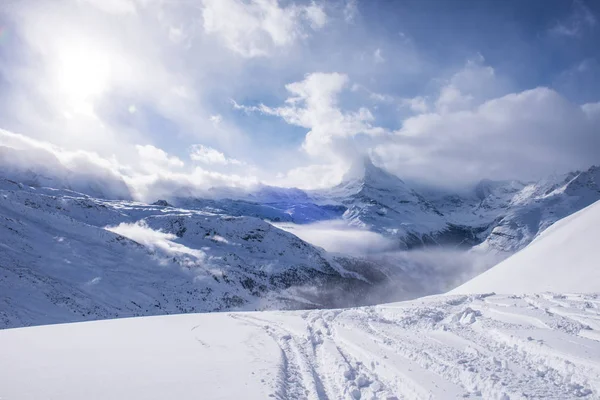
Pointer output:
x,y
446,347
564,258
67,257
538,205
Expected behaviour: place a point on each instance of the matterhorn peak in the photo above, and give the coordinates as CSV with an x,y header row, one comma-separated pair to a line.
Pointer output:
x,y
363,170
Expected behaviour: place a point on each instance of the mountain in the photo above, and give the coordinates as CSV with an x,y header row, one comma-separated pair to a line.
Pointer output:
x,y
563,258
69,257
538,205
379,201
494,216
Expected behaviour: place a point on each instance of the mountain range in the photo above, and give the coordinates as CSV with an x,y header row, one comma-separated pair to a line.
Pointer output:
x,y
73,251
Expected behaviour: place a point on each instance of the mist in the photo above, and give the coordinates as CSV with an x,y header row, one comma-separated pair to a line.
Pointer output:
x,y
338,237
395,275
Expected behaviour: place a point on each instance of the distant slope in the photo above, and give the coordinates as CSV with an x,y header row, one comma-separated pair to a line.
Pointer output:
x,y
441,347
564,258
539,205
67,257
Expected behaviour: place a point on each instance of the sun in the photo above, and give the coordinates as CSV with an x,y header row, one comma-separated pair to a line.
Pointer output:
x,y
82,73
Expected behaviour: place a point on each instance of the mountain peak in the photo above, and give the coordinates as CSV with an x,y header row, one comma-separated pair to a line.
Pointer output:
x,y
365,171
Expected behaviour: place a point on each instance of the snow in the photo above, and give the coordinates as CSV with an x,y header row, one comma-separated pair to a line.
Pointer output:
x,y
65,257
564,258
441,347
68,257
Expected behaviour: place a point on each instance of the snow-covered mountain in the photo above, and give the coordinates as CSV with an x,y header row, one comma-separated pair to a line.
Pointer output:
x,y
69,257
496,216
563,258
483,346
379,201
538,205
66,256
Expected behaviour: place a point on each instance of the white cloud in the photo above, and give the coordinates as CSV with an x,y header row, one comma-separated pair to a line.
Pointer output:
x,y
190,183
156,240
84,63
416,104
113,6
255,27
576,24
311,176
337,236
216,119
153,158
523,135
316,16
377,57
314,105
151,175
469,87
380,97
42,164
350,10
472,130
208,155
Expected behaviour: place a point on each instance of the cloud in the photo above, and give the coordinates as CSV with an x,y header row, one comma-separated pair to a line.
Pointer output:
x,y
39,163
114,6
338,237
411,274
152,158
157,240
130,86
311,176
153,174
577,23
208,155
314,105
315,15
474,128
523,135
106,75
216,119
350,10
416,104
470,86
256,27
377,57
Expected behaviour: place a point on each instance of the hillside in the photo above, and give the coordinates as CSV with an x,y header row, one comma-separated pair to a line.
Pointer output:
x,y
68,257
563,258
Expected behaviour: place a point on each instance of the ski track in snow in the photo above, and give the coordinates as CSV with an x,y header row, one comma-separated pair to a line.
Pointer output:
x,y
543,346
470,347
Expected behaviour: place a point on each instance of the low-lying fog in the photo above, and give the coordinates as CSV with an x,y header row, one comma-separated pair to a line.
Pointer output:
x,y
411,273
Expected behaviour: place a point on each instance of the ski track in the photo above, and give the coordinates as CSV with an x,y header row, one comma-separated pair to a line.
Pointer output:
x,y
498,347
487,347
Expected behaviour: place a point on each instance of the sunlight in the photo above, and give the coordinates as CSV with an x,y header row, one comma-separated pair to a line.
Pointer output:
x,y
83,73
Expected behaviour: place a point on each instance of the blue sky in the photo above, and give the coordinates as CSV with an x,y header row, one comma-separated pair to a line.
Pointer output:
x,y
198,93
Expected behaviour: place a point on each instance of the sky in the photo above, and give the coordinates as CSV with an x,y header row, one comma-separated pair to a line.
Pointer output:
x,y
188,94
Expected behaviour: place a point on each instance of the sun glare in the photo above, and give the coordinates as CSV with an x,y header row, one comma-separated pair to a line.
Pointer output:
x,y
82,73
